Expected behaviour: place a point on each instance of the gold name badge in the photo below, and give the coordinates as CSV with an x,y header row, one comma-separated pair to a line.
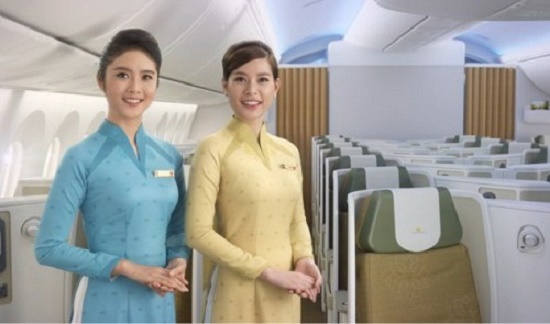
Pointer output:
x,y
288,167
163,173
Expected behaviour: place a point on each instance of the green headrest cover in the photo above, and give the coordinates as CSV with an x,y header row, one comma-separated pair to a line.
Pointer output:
x,y
375,223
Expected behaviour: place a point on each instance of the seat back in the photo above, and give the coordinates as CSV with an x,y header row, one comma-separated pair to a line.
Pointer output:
x,y
360,179
543,155
411,266
353,162
516,147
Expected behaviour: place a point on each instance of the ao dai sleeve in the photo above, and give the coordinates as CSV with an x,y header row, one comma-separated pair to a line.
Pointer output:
x,y
204,182
299,230
175,235
52,247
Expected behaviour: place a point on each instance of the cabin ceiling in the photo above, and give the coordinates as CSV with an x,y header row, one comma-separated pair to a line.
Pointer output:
x,y
54,45
504,10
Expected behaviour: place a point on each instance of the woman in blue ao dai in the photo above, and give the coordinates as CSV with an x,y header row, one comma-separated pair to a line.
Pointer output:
x,y
129,189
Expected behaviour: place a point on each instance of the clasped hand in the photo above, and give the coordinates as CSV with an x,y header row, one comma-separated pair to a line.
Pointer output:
x,y
173,278
161,280
308,267
304,281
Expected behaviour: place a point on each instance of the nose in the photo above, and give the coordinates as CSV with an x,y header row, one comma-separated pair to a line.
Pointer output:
x,y
251,87
134,85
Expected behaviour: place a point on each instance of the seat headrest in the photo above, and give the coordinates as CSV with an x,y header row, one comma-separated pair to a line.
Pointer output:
x,y
347,150
453,139
407,220
372,178
358,161
543,154
351,161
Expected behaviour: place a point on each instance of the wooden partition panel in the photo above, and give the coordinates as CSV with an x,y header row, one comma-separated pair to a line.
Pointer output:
x,y
302,112
490,102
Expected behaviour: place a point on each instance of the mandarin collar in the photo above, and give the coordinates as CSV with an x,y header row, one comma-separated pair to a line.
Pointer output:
x,y
114,132
245,133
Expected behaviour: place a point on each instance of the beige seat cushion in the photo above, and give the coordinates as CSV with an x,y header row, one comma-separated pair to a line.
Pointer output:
x,y
435,286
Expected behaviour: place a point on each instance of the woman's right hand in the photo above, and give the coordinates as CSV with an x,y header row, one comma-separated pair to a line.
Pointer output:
x,y
289,280
157,278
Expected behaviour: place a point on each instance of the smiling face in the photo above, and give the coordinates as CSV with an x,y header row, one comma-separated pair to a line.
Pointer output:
x,y
251,89
130,85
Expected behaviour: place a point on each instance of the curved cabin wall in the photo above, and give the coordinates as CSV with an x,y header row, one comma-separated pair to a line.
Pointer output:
x,y
31,135
67,132
35,118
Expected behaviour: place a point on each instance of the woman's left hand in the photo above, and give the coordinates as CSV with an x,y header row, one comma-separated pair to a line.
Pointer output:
x,y
307,266
176,268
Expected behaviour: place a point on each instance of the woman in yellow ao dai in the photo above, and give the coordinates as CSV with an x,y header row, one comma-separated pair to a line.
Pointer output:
x,y
245,207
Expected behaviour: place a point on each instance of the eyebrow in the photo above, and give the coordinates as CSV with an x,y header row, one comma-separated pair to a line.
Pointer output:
x,y
259,74
122,68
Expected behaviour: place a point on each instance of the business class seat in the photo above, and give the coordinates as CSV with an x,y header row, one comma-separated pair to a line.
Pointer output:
x,y
319,154
543,156
539,171
318,145
499,188
322,174
454,170
508,249
326,151
510,147
356,179
411,266
496,160
519,232
359,162
346,181
362,158
367,160
463,152
421,158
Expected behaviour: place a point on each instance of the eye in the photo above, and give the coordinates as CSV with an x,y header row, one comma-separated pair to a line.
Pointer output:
x,y
265,79
122,75
239,79
148,77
